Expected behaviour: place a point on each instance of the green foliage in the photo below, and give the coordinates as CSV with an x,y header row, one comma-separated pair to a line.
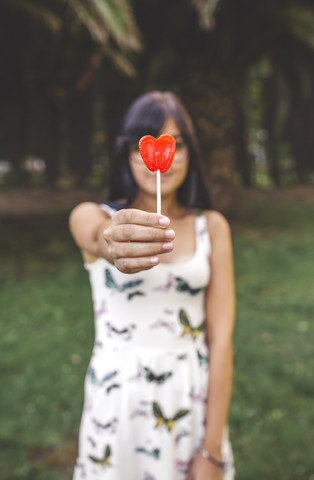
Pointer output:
x,y
301,20
115,15
46,339
110,18
44,346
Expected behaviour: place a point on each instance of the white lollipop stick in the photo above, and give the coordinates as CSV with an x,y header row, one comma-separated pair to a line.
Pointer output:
x,y
158,192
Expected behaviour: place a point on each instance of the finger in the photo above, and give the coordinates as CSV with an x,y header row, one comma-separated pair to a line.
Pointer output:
x,y
141,249
139,217
134,265
139,233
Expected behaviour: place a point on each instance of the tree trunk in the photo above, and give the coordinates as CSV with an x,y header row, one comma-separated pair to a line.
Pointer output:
x,y
275,117
14,133
45,133
241,139
300,127
210,97
80,130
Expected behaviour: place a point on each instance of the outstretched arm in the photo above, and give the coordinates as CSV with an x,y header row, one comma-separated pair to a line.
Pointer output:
x,y
131,239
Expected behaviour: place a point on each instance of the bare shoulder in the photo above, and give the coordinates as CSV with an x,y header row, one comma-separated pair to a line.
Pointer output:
x,y
85,219
218,225
87,208
87,213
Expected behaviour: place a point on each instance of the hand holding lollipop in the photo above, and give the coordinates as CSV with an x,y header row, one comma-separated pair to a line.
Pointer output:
x,y
157,155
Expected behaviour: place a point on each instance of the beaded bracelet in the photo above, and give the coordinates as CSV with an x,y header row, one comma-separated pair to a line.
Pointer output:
x,y
213,460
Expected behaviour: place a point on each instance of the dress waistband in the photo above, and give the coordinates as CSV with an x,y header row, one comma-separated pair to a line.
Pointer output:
x,y
119,346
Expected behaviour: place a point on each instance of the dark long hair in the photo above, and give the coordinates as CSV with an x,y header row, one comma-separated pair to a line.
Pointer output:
x,y
146,116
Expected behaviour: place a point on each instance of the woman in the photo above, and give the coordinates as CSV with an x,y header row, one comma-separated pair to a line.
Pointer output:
x,y
163,293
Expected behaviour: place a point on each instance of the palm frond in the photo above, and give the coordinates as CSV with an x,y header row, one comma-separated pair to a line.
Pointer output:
x,y
119,17
119,59
104,18
206,10
301,21
110,23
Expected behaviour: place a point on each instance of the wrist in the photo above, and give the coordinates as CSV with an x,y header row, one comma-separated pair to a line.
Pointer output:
x,y
217,461
214,447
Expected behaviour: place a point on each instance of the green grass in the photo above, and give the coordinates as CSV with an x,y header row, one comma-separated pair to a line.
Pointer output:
x,y
46,335
46,338
272,410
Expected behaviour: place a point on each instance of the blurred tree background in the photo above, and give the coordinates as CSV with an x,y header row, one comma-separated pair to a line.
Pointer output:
x,y
68,70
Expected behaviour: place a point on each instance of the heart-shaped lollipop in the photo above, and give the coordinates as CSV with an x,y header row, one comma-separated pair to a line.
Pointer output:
x,y
157,154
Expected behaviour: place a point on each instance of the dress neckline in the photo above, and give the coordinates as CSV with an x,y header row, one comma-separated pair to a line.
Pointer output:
x,y
197,246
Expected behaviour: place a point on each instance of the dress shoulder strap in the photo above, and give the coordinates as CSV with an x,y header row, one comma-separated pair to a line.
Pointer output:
x,y
112,206
106,208
202,233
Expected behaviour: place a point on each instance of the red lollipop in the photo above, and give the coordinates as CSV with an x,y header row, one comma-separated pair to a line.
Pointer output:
x,y
157,155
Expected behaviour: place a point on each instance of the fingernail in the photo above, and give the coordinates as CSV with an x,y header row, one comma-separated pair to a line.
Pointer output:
x,y
167,246
164,221
169,234
153,260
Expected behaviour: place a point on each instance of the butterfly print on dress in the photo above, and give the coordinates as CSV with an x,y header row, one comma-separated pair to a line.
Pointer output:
x,y
159,379
110,426
112,284
144,410
101,310
166,286
155,453
137,293
197,397
91,441
138,412
159,323
148,476
203,359
93,378
105,460
182,466
112,387
149,375
161,420
187,327
182,434
168,311
180,285
126,333
138,375
183,286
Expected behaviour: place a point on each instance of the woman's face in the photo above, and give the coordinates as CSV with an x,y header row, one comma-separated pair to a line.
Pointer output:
x,y
174,177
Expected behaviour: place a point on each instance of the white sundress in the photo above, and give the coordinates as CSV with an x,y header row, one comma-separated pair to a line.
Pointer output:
x,y
146,384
